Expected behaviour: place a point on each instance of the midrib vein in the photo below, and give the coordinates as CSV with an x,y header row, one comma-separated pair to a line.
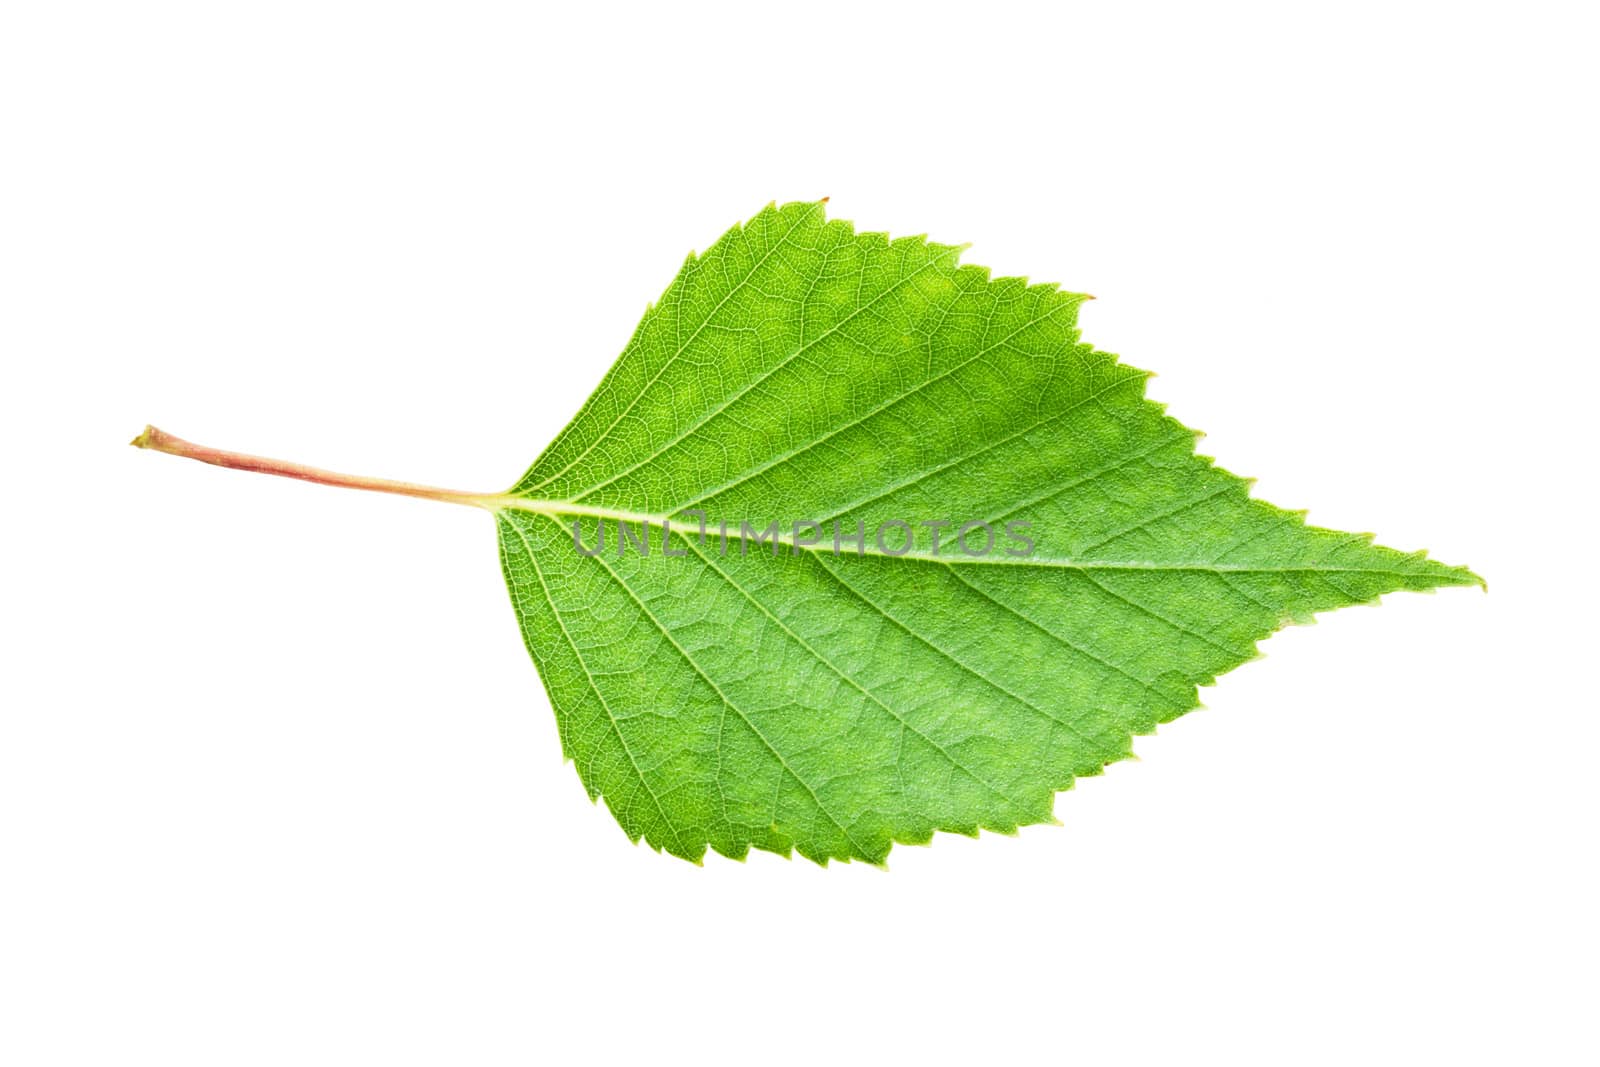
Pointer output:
x,y
690,533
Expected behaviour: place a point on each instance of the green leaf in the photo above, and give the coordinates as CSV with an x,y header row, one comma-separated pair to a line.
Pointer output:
x,y
760,681
794,698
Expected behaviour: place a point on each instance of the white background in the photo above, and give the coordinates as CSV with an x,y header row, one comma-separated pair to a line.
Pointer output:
x,y
278,783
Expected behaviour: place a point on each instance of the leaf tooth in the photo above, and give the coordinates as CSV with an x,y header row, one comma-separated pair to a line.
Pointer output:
x,y
916,837
1021,281
739,854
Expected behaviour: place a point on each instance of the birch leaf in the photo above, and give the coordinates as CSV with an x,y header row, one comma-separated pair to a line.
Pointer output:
x,y
917,556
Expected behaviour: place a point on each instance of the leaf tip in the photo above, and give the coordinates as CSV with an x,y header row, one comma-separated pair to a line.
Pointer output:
x,y
1472,578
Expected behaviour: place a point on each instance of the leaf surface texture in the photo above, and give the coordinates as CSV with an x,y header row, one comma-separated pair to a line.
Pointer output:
x,y
833,704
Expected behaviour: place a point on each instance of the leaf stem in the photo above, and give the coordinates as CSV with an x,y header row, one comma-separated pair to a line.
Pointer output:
x,y
161,441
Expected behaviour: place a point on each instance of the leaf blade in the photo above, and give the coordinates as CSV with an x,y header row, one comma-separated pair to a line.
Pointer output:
x,y
835,705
